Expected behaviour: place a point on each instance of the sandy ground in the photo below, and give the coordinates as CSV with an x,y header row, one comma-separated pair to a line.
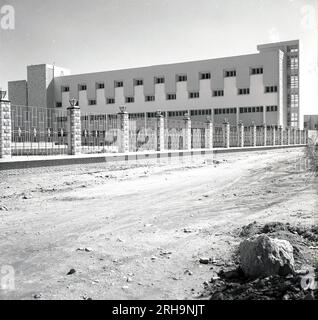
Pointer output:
x,y
145,224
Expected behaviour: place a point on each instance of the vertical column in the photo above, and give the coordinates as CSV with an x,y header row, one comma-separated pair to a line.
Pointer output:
x,y
74,136
294,136
226,134
288,135
187,135
253,128
123,130
240,130
5,127
298,136
273,136
209,134
160,131
264,127
306,137
280,135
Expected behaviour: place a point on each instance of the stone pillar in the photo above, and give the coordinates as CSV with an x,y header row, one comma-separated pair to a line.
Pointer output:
x,y
160,131
306,137
288,136
280,135
294,136
123,130
187,135
253,127
264,127
226,134
298,136
74,135
273,136
240,130
209,135
5,127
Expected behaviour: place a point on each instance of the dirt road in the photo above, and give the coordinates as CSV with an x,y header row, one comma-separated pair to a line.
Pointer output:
x,y
145,225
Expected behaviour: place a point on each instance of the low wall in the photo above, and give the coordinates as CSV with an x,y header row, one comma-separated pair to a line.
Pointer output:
x,y
47,161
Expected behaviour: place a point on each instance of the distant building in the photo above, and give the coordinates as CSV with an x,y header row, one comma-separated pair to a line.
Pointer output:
x,y
311,122
255,88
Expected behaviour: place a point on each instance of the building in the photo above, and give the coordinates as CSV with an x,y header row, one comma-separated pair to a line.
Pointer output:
x,y
255,88
311,122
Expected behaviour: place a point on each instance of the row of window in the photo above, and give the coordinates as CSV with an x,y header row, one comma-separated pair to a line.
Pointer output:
x,y
160,80
191,95
202,112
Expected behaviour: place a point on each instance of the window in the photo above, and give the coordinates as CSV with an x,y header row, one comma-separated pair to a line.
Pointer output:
x,y
194,95
149,98
294,63
181,78
230,73
130,99
256,71
205,75
65,89
176,113
294,82
151,114
244,91
119,84
82,87
271,108
159,80
218,93
100,85
91,102
171,96
58,104
270,89
139,82
110,100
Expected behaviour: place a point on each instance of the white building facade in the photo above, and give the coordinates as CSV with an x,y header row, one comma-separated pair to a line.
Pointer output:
x,y
261,88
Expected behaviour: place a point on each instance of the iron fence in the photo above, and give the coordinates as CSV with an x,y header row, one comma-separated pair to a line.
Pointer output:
x,y
99,133
174,134
234,136
38,131
218,136
142,134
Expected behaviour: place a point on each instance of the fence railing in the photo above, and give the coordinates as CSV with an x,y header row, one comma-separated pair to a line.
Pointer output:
x,y
42,131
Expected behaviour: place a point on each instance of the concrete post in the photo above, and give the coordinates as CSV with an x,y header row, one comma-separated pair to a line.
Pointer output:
x,y
298,136
123,130
160,131
209,135
253,135
306,137
187,135
240,130
288,136
226,134
273,136
280,135
5,127
294,136
74,135
264,134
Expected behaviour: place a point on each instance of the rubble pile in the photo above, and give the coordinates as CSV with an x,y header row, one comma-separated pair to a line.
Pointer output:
x,y
276,261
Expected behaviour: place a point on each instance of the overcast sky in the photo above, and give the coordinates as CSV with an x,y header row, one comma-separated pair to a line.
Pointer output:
x,y
98,35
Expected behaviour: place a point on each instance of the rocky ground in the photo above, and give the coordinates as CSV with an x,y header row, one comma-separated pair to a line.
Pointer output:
x,y
156,230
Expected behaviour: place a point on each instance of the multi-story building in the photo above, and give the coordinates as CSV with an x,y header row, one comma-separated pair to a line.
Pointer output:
x,y
311,122
255,88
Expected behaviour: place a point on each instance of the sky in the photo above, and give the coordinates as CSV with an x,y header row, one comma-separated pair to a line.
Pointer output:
x,y
99,35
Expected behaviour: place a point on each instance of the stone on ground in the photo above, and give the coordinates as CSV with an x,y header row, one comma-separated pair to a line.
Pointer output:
x,y
262,256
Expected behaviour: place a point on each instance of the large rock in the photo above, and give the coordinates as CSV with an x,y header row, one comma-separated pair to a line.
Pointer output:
x,y
262,256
